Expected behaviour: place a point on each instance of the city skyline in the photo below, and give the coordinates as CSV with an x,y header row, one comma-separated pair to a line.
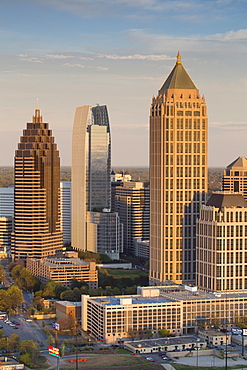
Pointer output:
x,y
70,53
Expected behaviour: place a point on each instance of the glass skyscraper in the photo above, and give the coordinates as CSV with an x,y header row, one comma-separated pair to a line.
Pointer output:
x,y
91,183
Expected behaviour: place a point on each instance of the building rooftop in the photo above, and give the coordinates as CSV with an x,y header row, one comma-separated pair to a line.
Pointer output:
x,y
69,304
136,300
178,78
239,162
164,341
62,261
220,200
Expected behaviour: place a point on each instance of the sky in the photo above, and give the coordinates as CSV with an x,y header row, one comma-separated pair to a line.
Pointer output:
x,y
69,53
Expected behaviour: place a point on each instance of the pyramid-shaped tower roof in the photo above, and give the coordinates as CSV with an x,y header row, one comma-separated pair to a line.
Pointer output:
x,y
239,162
178,78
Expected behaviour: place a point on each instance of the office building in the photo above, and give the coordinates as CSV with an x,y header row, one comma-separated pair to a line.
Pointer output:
x,y
65,195
142,248
222,243
132,206
174,308
6,229
7,202
235,177
178,176
104,233
91,180
37,223
63,270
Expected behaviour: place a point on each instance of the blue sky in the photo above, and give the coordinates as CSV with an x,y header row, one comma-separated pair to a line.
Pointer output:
x,y
69,53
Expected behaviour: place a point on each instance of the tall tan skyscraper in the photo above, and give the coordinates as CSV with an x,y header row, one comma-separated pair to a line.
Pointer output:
x,y
178,176
235,177
37,229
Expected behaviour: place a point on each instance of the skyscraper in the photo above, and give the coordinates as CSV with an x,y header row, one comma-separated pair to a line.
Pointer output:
x,y
37,229
221,243
235,177
132,205
65,187
178,176
91,183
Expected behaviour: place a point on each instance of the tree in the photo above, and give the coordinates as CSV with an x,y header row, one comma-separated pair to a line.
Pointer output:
x,y
149,333
50,340
132,334
26,359
4,343
49,290
164,333
67,295
2,275
26,345
14,341
38,303
16,297
4,300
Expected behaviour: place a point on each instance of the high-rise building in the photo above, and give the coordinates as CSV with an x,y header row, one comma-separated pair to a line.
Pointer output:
x,y
178,176
91,179
222,242
235,177
37,224
132,206
65,187
7,202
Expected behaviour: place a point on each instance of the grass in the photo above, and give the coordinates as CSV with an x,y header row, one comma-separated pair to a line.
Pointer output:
x,y
187,367
122,351
114,363
132,274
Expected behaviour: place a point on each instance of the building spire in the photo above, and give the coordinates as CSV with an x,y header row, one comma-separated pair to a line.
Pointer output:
x,y
179,58
37,110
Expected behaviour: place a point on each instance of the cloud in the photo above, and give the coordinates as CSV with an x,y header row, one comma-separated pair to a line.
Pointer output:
x,y
229,125
60,56
30,59
14,73
229,36
73,65
136,57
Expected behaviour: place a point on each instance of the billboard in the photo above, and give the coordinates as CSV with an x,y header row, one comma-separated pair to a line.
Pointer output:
x,y
236,331
54,351
55,325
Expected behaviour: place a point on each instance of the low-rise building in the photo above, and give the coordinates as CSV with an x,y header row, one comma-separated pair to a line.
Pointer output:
x,y
66,308
64,270
9,363
181,343
174,308
215,337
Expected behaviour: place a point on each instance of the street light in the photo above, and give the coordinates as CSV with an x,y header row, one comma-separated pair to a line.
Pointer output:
x,y
197,348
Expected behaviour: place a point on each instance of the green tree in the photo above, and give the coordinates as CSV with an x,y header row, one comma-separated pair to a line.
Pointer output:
x,y
15,296
26,359
50,340
49,290
16,273
14,341
67,295
4,343
164,333
26,345
4,300
149,333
